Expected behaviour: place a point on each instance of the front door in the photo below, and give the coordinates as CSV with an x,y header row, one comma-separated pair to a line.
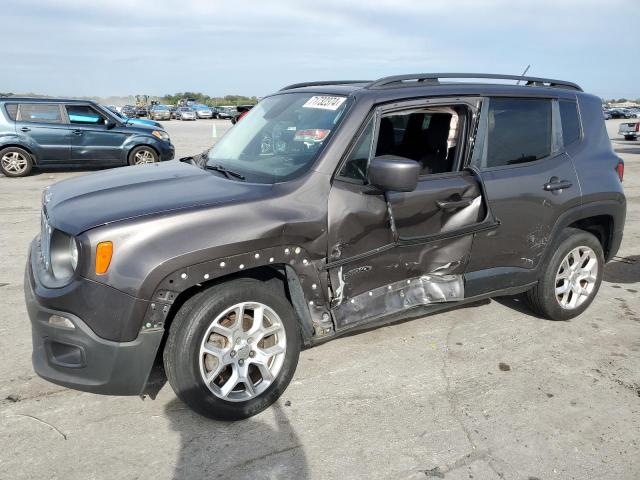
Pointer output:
x,y
42,124
529,181
92,142
395,251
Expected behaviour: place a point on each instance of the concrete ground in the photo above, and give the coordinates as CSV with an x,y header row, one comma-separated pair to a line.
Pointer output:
x,y
484,392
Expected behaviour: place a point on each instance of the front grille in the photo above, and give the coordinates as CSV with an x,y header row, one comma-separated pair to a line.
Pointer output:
x,y
45,239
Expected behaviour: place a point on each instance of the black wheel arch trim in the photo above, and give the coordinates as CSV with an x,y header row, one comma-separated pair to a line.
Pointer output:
x,y
305,284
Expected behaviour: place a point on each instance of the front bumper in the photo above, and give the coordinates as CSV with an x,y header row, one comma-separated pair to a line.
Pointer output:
x,y
77,357
167,151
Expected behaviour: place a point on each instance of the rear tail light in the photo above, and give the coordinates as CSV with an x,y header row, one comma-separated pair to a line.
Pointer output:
x,y
620,169
638,127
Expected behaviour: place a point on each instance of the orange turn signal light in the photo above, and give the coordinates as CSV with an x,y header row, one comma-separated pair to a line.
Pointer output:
x,y
104,251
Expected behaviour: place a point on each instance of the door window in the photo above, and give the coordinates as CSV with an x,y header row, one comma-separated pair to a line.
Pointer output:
x,y
429,136
518,131
355,167
84,115
39,113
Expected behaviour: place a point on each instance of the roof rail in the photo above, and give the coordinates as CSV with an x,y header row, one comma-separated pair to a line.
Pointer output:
x,y
318,84
434,79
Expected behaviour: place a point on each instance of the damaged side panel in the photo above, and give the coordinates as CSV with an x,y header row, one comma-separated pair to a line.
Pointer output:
x,y
399,296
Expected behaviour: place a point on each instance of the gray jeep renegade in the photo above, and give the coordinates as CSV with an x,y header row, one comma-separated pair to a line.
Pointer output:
x,y
332,206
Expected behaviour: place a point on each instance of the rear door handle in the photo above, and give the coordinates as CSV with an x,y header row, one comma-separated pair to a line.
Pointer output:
x,y
77,132
555,184
25,129
454,204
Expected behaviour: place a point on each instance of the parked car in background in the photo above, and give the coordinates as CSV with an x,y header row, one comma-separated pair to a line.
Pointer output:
x,y
129,111
142,111
202,111
228,263
185,113
135,120
160,112
606,114
619,113
226,113
45,131
630,131
635,112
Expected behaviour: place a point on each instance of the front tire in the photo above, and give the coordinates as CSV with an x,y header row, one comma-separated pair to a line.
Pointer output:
x,y
15,162
142,154
571,279
232,349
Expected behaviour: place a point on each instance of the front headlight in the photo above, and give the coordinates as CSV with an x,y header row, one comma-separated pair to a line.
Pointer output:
x,y
161,134
73,252
64,255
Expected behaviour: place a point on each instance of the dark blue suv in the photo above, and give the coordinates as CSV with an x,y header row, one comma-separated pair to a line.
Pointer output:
x,y
44,131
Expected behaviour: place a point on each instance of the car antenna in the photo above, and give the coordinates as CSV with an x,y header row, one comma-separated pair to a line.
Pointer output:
x,y
524,73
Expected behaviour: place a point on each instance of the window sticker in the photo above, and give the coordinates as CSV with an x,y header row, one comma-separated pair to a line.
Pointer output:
x,y
324,102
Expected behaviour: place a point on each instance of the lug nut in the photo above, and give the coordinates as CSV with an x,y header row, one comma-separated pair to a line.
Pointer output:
x,y
241,362
233,353
249,340
252,354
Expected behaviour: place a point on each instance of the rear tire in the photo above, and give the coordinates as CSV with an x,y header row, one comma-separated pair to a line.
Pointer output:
x,y
570,280
248,368
15,162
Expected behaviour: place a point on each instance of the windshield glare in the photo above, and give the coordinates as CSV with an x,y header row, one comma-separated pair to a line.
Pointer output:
x,y
280,137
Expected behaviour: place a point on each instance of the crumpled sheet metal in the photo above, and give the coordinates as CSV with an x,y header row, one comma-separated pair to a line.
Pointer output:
x,y
399,296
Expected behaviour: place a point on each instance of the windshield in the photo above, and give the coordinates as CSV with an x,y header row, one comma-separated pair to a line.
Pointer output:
x,y
200,107
280,137
161,107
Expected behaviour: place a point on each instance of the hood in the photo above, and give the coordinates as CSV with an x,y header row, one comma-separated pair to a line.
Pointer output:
x,y
79,204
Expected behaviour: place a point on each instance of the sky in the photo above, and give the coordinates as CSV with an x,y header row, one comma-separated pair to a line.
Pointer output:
x,y
254,47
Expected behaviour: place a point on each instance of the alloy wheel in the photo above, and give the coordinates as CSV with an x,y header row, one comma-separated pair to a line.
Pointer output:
x,y
576,277
242,351
143,156
14,162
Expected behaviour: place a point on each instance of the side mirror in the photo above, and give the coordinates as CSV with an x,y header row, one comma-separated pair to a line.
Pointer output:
x,y
392,173
109,124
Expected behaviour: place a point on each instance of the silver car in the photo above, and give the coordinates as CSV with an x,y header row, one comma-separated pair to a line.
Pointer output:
x,y
185,113
160,112
202,111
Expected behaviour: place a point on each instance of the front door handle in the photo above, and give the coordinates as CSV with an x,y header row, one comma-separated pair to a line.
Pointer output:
x,y
77,132
25,129
555,184
454,204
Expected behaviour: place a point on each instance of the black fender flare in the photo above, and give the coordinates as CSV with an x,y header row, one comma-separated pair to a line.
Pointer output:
x,y
305,280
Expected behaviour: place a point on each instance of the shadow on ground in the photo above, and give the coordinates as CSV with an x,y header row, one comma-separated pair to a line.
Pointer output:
x,y
623,270
262,447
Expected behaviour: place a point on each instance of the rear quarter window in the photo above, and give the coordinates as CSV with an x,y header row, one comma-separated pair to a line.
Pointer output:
x,y
570,122
12,110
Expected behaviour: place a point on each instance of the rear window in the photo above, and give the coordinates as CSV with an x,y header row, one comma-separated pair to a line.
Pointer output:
x,y
570,121
12,110
518,131
40,113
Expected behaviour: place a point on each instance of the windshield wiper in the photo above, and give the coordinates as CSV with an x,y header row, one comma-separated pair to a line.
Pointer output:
x,y
227,173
